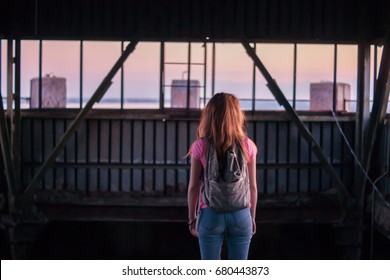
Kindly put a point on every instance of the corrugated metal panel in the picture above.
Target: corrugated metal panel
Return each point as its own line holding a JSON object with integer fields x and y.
{"x": 147, "y": 155}
{"x": 183, "y": 20}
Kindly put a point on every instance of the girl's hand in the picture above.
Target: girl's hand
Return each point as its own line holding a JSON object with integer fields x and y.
{"x": 253, "y": 226}
{"x": 192, "y": 228}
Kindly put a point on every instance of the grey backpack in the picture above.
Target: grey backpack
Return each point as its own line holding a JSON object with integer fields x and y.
{"x": 226, "y": 190}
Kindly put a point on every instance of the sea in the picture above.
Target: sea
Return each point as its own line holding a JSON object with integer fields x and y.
{"x": 150, "y": 103}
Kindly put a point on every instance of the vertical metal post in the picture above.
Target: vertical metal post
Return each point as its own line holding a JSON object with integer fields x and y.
{"x": 381, "y": 97}
{"x": 205, "y": 74}
{"x": 162, "y": 69}
{"x": 81, "y": 72}
{"x": 335, "y": 79}
{"x": 375, "y": 74}
{"x": 1, "y": 65}
{"x": 254, "y": 83}
{"x": 122, "y": 81}
{"x": 4, "y": 138}
{"x": 120, "y": 153}
{"x": 6, "y": 153}
{"x": 188, "y": 76}
{"x": 16, "y": 124}
{"x": 154, "y": 154}
{"x": 363, "y": 98}
{"x": 143, "y": 152}
{"x": 213, "y": 71}
{"x": 10, "y": 79}
{"x": 40, "y": 76}
{"x": 295, "y": 78}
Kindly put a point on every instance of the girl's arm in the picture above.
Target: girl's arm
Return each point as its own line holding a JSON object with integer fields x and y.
{"x": 253, "y": 190}
{"x": 193, "y": 194}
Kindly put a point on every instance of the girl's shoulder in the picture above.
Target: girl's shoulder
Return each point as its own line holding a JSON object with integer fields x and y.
{"x": 249, "y": 142}
{"x": 198, "y": 147}
{"x": 250, "y": 147}
{"x": 202, "y": 141}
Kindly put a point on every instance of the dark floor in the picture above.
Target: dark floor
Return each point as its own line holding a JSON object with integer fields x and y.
{"x": 120, "y": 240}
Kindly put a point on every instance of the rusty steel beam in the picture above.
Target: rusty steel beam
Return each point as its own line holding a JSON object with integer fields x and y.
{"x": 96, "y": 97}
{"x": 16, "y": 120}
{"x": 379, "y": 107}
{"x": 6, "y": 152}
{"x": 362, "y": 112}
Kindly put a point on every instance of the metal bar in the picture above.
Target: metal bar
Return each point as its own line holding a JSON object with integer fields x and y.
{"x": 254, "y": 83}
{"x": 277, "y": 147}
{"x": 184, "y": 63}
{"x": 65, "y": 156}
{"x": 379, "y": 107}
{"x": 187, "y": 148}
{"x": 185, "y": 86}
{"x": 76, "y": 160}
{"x": 99, "y": 137}
{"x": 162, "y": 71}
{"x": 205, "y": 74}
{"x": 342, "y": 152}
{"x": 53, "y": 144}
{"x": 363, "y": 97}
{"x": 335, "y": 79}
{"x": 120, "y": 152}
{"x": 87, "y": 156}
{"x": 7, "y": 158}
{"x": 321, "y": 143}
{"x": 143, "y": 152}
{"x": 362, "y": 109}
{"x": 122, "y": 80}
{"x": 288, "y": 159}
{"x": 132, "y": 156}
{"x": 295, "y": 77}
{"x": 82, "y": 114}
{"x": 188, "y": 77}
{"x": 5, "y": 143}
{"x": 154, "y": 153}
{"x": 81, "y": 72}
{"x": 375, "y": 67}
{"x": 31, "y": 147}
{"x": 266, "y": 156}
{"x": 299, "y": 148}
{"x": 213, "y": 71}
{"x": 309, "y": 155}
{"x": 42, "y": 146}
{"x": 165, "y": 155}
{"x": 1, "y": 65}
{"x": 109, "y": 151}
{"x": 10, "y": 80}
{"x": 16, "y": 122}
{"x": 279, "y": 96}
{"x": 40, "y": 76}
{"x": 176, "y": 154}
{"x": 171, "y": 166}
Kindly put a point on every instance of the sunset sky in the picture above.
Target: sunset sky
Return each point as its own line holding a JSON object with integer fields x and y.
{"x": 141, "y": 70}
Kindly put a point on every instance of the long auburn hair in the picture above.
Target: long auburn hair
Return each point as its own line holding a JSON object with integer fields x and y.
{"x": 223, "y": 124}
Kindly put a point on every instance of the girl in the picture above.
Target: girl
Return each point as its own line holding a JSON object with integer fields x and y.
{"x": 222, "y": 125}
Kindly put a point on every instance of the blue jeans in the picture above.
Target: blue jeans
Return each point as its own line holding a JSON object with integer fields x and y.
{"x": 214, "y": 226}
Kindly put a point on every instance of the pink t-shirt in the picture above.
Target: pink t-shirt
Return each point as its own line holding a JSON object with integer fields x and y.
{"x": 199, "y": 148}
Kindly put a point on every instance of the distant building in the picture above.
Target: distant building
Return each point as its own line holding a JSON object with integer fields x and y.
{"x": 179, "y": 94}
{"x": 321, "y": 97}
{"x": 53, "y": 92}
